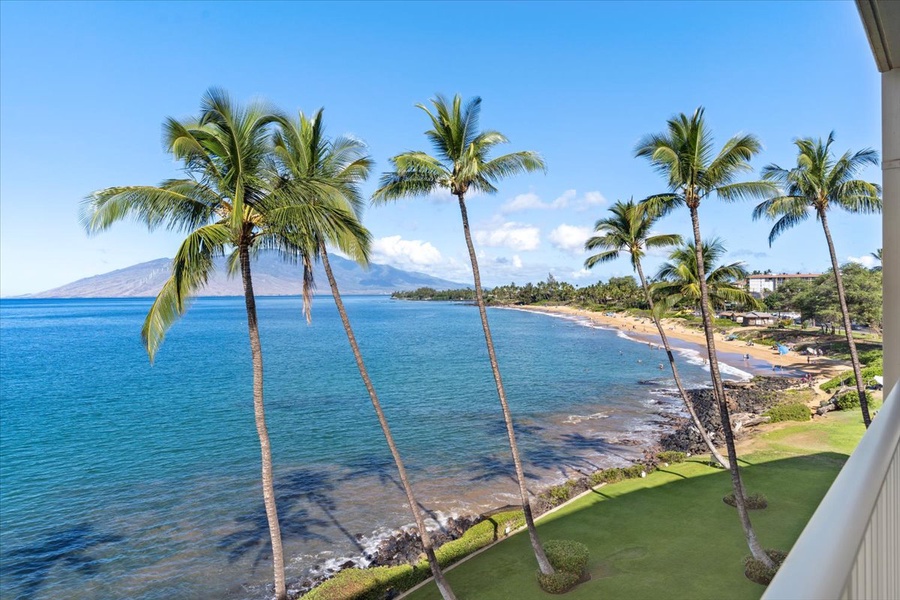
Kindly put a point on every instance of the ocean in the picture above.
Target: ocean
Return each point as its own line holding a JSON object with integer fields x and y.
{"x": 122, "y": 479}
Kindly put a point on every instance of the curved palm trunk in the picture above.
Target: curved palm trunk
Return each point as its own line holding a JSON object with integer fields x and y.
{"x": 259, "y": 413}
{"x": 543, "y": 563}
{"x": 439, "y": 579}
{"x": 684, "y": 397}
{"x": 845, "y": 313}
{"x": 719, "y": 391}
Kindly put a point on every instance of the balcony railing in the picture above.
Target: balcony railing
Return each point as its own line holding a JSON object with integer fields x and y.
{"x": 850, "y": 548}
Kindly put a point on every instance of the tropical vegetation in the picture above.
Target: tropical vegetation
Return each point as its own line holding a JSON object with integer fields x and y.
{"x": 462, "y": 165}
{"x": 220, "y": 206}
{"x": 818, "y": 183}
{"x": 628, "y": 230}
{"x": 304, "y": 154}
{"x": 257, "y": 179}
{"x": 694, "y": 171}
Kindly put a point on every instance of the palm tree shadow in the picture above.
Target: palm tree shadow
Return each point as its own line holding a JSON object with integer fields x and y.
{"x": 295, "y": 493}
{"x": 67, "y": 548}
{"x": 385, "y": 469}
{"x": 490, "y": 468}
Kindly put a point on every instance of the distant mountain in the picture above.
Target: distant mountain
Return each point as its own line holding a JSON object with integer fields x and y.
{"x": 272, "y": 276}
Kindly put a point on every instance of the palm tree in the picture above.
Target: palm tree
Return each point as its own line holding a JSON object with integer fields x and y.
{"x": 678, "y": 281}
{"x": 226, "y": 152}
{"x": 462, "y": 165}
{"x": 684, "y": 155}
{"x": 339, "y": 166}
{"x": 628, "y": 230}
{"x": 816, "y": 184}
{"x": 877, "y": 255}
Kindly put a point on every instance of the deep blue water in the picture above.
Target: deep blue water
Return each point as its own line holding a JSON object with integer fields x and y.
{"x": 126, "y": 480}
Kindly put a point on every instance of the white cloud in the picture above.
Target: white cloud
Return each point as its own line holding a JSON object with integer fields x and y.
{"x": 868, "y": 261}
{"x": 523, "y": 202}
{"x": 398, "y": 252}
{"x": 582, "y": 273}
{"x": 512, "y": 235}
{"x": 564, "y": 200}
{"x": 570, "y": 238}
{"x": 569, "y": 198}
{"x": 516, "y": 261}
{"x": 593, "y": 199}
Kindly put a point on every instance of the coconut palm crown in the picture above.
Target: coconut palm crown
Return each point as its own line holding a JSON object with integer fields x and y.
{"x": 678, "y": 281}
{"x": 816, "y": 184}
{"x": 460, "y": 164}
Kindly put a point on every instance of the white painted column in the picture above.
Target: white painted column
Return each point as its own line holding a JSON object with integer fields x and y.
{"x": 890, "y": 155}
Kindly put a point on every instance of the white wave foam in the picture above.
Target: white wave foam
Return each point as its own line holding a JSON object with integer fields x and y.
{"x": 576, "y": 419}
{"x": 694, "y": 357}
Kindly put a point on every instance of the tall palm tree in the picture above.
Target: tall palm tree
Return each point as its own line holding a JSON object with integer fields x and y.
{"x": 339, "y": 166}
{"x": 818, "y": 183}
{"x": 678, "y": 281}
{"x": 462, "y": 165}
{"x": 219, "y": 205}
{"x": 628, "y": 230}
{"x": 684, "y": 155}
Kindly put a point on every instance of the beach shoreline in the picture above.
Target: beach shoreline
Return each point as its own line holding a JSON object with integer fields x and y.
{"x": 819, "y": 368}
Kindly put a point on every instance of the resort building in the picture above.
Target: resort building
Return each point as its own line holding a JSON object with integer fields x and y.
{"x": 760, "y": 285}
{"x": 757, "y": 319}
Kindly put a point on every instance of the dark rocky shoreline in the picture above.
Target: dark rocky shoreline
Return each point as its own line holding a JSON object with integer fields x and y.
{"x": 677, "y": 433}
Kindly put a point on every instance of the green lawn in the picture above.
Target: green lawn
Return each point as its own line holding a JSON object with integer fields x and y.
{"x": 670, "y": 535}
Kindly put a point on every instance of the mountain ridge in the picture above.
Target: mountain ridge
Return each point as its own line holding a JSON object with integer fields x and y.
{"x": 272, "y": 276}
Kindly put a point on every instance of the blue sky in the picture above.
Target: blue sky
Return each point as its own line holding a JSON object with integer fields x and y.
{"x": 84, "y": 88}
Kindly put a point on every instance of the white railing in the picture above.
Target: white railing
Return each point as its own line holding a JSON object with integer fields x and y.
{"x": 850, "y": 549}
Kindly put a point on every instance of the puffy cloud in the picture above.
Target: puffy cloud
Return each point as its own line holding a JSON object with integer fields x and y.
{"x": 570, "y": 238}
{"x": 569, "y": 198}
{"x": 523, "y": 202}
{"x": 583, "y": 273}
{"x": 868, "y": 261}
{"x": 512, "y": 235}
{"x": 398, "y": 252}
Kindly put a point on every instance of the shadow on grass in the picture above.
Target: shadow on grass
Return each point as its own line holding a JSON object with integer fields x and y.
{"x": 681, "y": 526}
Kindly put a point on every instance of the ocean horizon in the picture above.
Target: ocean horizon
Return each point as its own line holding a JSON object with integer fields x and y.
{"x": 126, "y": 480}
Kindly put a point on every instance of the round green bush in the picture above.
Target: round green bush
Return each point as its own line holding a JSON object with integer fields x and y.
{"x": 671, "y": 456}
{"x": 568, "y": 556}
{"x": 558, "y": 583}
{"x": 754, "y": 501}
{"x": 794, "y": 411}
{"x": 757, "y": 572}
{"x": 848, "y": 401}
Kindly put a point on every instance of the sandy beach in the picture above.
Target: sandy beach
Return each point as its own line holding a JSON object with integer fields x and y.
{"x": 820, "y": 368}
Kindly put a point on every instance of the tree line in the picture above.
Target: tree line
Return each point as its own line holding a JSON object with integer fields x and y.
{"x": 258, "y": 178}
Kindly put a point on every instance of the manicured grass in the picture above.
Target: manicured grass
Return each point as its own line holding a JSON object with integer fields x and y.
{"x": 670, "y": 535}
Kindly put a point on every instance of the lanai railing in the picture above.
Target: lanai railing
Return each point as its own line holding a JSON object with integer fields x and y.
{"x": 850, "y": 549}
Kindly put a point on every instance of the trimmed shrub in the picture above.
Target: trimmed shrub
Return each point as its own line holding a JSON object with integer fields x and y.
{"x": 559, "y": 582}
{"x": 757, "y": 572}
{"x": 567, "y": 555}
{"x": 375, "y": 583}
{"x": 754, "y": 501}
{"x": 560, "y": 493}
{"x": 607, "y": 476}
{"x": 792, "y": 411}
{"x": 847, "y": 401}
{"x": 868, "y": 373}
{"x": 569, "y": 559}
{"x": 671, "y": 456}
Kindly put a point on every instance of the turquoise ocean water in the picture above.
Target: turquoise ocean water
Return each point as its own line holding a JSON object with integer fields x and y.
{"x": 119, "y": 479}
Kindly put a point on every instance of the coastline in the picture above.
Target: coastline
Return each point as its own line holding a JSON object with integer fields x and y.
{"x": 401, "y": 545}
{"x": 821, "y": 368}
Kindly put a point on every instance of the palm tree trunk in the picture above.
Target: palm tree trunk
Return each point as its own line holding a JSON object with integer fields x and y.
{"x": 845, "y": 312}
{"x": 439, "y": 579}
{"x": 259, "y": 413}
{"x": 543, "y": 563}
{"x": 684, "y": 397}
{"x": 719, "y": 392}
